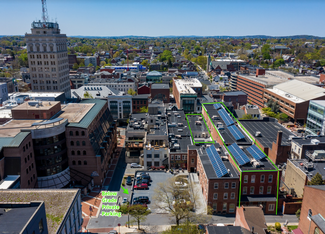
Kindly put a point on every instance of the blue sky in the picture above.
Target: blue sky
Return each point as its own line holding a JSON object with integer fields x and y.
{"x": 168, "y": 17}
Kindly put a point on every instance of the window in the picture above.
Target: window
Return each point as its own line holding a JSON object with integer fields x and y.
{"x": 73, "y": 162}
{"x": 253, "y": 179}
{"x": 149, "y": 156}
{"x": 269, "y": 189}
{"x": 271, "y": 207}
{"x": 71, "y": 143}
{"x": 246, "y": 179}
{"x": 172, "y": 157}
{"x": 85, "y": 162}
{"x": 156, "y": 155}
{"x": 25, "y": 160}
{"x": 72, "y": 152}
{"x": 232, "y": 195}
{"x": 226, "y": 185}
{"x": 270, "y": 178}
{"x": 184, "y": 157}
{"x": 233, "y": 185}
{"x": 83, "y": 143}
{"x": 262, "y": 178}
{"x": 252, "y": 190}
{"x": 27, "y": 171}
{"x": 77, "y": 143}
{"x": 84, "y": 152}
{"x": 225, "y": 196}
{"x": 78, "y": 152}
{"x": 261, "y": 190}
{"x": 215, "y": 196}
{"x": 224, "y": 206}
{"x": 77, "y": 133}
{"x": 232, "y": 208}
{"x": 40, "y": 225}
{"x": 216, "y": 185}
{"x": 245, "y": 190}
{"x": 82, "y": 133}
{"x": 79, "y": 162}
{"x": 316, "y": 230}
{"x": 192, "y": 160}
{"x": 24, "y": 149}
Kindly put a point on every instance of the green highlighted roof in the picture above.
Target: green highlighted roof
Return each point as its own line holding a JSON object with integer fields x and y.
{"x": 189, "y": 126}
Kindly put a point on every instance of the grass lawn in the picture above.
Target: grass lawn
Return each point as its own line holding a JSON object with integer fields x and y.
{"x": 290, "y": 228}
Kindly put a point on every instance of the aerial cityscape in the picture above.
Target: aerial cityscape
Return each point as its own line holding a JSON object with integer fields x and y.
{"x": 141, "y": 120}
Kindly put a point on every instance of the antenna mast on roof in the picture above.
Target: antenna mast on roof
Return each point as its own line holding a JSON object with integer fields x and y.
{"x": 44, "y": 11}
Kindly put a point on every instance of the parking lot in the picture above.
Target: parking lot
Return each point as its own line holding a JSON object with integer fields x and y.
{"x": 156, "y": 177}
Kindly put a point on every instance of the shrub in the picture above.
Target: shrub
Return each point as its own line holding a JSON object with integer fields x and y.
{"x": 277, "y": 226}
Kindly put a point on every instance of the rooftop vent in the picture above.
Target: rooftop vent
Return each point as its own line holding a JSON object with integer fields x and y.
{"x": 314, "y": 141}
{"x": 258, "y": 134}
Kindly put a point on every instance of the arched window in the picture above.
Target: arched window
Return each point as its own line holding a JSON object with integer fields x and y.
{"x": 79, "y": 162}
{"x": 78, "y": 152}
{"x": 78, "y": 143}
{"x": 31, "y": 155}
{"x": 77, "y": 133}
{"x": 72, "y": 152}
{"x": 37, "y": 48}
{"x": 31, "y": 179}
{"x": 71, "y": 133}
{"x": 71, "y": 143}
{"x": 83, "y": 143}
{"x": 44, "y": 47}
{"x": 73, "y": 162}
{"x": 85, "y": 162}
{"x": 84, "y": 152}
{"x": 34, "y": 176}
{"x": 82, "y": 133}
{"x": 31, "y": 48}
{"x": 28, "y": 157}
{"x": 28, "y": 182}
{"x": 32, "y": 165}
{"x": 25, "y": 160}
{"x": 51, "y": 47}
{"x": 27, "y": 171}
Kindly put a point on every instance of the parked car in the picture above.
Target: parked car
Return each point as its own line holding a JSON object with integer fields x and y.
{"x": 129, "y": 180}
{"x": 113, "y": 232}
{"x": 140, "y": 186}
{"x": 142, "y": 199}
{"x": 146, "y": 177}
{"x": 135, "y": 165}
{"x": 125, "y": 200}
{"x": 140, "y": 181}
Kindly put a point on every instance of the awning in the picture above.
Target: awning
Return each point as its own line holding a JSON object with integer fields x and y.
{"x": 258, "y": 198}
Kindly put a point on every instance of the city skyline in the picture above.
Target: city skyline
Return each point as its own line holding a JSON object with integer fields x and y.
{"x": 168, "y": 18}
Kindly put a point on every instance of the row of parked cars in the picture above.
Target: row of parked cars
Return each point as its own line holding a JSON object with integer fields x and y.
{"x": 142, "y": 181}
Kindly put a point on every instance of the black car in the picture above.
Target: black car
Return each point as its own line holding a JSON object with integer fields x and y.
{"x": 142, "y": 199}
{"x": 147, "y": 177}
{"x": 129, "y": 180}
{"x": 144, "y": 181}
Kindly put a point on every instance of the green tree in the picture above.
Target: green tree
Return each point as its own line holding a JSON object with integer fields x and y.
{"x": 298, "y": 213}
{"x": 283, "y": 117}
{"x": 145, "y": 63}
{"x": 75, "y": 66}
{"x": 23, "y": 59}
{"x": 90, "y": 65}
{"x": 102, "y": 63}
{"x": 277, "y": 226}
{"x": 144, "y": 109}
{"x": 132, "y": 92}
{"x": 247, "y": 116}
{"x": 138, "y": 213}
{"x": 187, "y": 227}
{"x": 81, "y": 64}
{"x": 316, "y": 180}
{"x": 87, "y": 95}
{"x": 97, "y": 68}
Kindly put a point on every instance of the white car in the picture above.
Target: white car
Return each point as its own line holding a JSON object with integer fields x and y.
{"x": 125, "y": 200}
{"x": 135, "y": 165}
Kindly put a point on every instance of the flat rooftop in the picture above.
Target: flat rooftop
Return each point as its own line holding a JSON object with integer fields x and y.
{"x": 198, "y": 126}
{"x": 36, "y": 105}
{"x": 13, "y": 127}
{"x": 184, "y": 86}
{"x": 298, "y": 91}
{"x": 269, "y": 128}
{"x": 75, "y": 112}
{"x": 9, "y": 221}
{"x": 173, "y": 119}
{"x": 318, "y": 167}
{"x": 57, "y": 202}
{"x": 207, "y": 164}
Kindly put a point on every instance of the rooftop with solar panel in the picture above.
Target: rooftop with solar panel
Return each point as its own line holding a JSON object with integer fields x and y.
{"x": 230, "y": 131}
{"x": 215, "y": 162}
{"x": 246, "y": 155}
{"x": 199, "y": 130}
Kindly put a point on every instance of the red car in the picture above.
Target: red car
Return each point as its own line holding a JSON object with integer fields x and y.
{"x": 140, "y": 186}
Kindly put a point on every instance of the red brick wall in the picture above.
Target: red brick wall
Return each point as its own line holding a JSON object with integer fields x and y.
{"x": 191, "y": 154}
{"x": 165, "y": 92}
{"x": 33, "y": 113}
{"x": 313, "y": 199}
{"x": 253, "y": 89}
{"x": 144, "y": 90}
{"x": 322, "y": 78}
{"x": 291, "y": 207}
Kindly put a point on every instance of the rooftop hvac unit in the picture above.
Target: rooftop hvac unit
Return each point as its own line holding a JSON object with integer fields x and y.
{"x": 258, "y": 134}
{"x": 198, "y": 123}
{"x": 180, "y": 124}
{"x": 214, "y": 117}
{"x": 221, "y": 127}
{"x": 203, "y": 135}
{"x": 179, "y": 130}
{"x": 314, "y": 141}
{"x": 308, "y": 165}
{"x": 200, "y": 118}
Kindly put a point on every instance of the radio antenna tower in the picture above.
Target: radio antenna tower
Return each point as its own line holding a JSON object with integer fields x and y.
{"x": 44, "y": 11}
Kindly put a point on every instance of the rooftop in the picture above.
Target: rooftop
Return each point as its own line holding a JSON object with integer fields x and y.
{"x": 96, "y": 92}
{"x": 185, "y": 86}
{"x": 227, "y": 230}
{"x": 308, "y": 141}
{"x": 57, "y": 202}
{"x": 319, "y": 102}
{"x": 159, "y": 86}
{"x": 197, "y": 126}
{"x": 298, "y": 91}
{"x": 36, "y": 105}
{"x": 154, "y": 73}
{"x": 317, "y": 167}
{"x": 75, "y": 112}
{"x": 268, "y": 127}
{"x": 177, "y": 123}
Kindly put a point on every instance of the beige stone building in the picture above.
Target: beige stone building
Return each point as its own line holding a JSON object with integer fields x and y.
{"x": 48, "y": 58}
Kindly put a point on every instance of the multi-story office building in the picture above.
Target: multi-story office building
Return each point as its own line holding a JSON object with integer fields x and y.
{"x": 118, "y": 84}
{"x": 48, "y": 58}
{"x": 316, "y": 118}
{"x": 51, "y": 148}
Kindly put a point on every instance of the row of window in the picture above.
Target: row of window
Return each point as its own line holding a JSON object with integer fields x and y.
{"x": 79, "y": 163}
{"x": 262, "y": 178}
{"x": 261, "y": 190}
{"x": 226, "y": 185}
{"x": 156, "y": 164}
{"x": 178, "y": 157}
{"x": 140, "y": 102}
{"x": 225, "y": 196}
{"x": 31, "y": 155}
{"x": 28, "y": 169}
{"x": 31, "y": 179}
{"x": 224, "y": 207}
{"x": 78, "y": 152}
{"x": 76, "y": 133}
{"x": 83, "y": 143}
{"x": 155, "y": 155}
{"x": 26, "y": 146}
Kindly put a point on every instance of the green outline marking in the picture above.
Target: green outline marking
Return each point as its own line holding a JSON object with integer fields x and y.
{"x": 253, "y": 140}
{"x": 205, "y": 142}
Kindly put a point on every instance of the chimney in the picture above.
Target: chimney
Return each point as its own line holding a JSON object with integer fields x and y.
{"x": 279, "y": 138}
